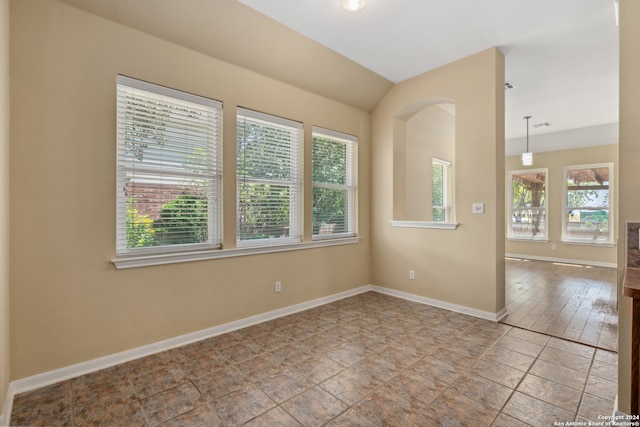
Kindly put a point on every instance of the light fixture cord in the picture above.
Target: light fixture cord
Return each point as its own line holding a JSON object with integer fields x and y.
{"x": 527, "y": 119}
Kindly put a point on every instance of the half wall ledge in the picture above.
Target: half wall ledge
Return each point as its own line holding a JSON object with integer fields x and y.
{"x": 425, "y": 224}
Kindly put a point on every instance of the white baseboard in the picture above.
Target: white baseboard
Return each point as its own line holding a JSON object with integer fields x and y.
{"x": 563, "y": 260}
{"x": 494, "y": 317}
{"x": 8, "y": 406}
{"x": 68, "y": 372}
{"x": 618, "y": 415}
{"x": 83, "y": 368}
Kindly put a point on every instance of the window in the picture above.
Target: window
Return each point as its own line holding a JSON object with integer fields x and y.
{"x": 588, "y": 204}
{"x": 168, "y": 169}
{"x": 528, "y": 205}
{"x": 269, "y": 179}
{"x": 335, "y": 160}
{"x": 440, "y": 190}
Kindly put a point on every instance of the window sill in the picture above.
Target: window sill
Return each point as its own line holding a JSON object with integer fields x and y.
{"x": 161, "y": 259}
{"x": 588, "y": 243}
{"x": 425, "y": 224}
{"x": 523, "y": 239}
{"x": 336, "y": 236}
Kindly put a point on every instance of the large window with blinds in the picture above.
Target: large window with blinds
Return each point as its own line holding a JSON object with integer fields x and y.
{"x": 588, "y": 204}
{"x": 168, "y": 169}
{"x": 334, "y": 163}
{"x": 269, "y": 179}
{"x": 528, "y": 210}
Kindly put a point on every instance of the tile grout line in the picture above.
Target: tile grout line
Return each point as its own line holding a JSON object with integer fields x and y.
{"x": 352, "y": 406}
{"x": 584, "y": 388}
{"x": 321, "y": 353}
{"x": 516, "y": 386}
{"x": 71, "y": 405}
{"x": 537, "y": 357}
{"x": 588, "y": 373}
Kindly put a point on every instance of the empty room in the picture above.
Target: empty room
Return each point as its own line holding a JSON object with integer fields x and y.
{"x": 235, "y": 212}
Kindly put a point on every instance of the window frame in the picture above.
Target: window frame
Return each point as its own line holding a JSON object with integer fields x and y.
{"x": 351, "y": 180}
{"x": 125, "y": 168}
{"x": 447, "y": 190}
{"x": 172, "y": 254}
{"x": 295, "y": 182}
{"x": 610, "y": 208}
{"x": 510, "y": 233}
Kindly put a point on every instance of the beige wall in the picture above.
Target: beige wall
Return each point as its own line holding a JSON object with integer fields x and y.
{"x": 555, "y": 161}
{"x": 68, "y": 302}
{"x": 429, "y": 133}
{"x": 4, "y": 197}
{"x": 629, "y": 153}
{"x": 464, "y": 266}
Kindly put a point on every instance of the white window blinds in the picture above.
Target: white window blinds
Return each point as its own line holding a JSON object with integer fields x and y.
{"x": 440, "y": 190}
{"x": 169, "y": 169}
{"x": 334, "y": 159}
{"x": 269, "y": 179}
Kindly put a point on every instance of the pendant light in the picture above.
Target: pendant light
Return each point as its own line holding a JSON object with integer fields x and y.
{"x": 527, "y": 157}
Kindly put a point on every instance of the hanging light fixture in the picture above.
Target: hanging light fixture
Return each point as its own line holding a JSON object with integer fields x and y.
{"x": 527, "y": 157}
{"x": 353, "y": 6}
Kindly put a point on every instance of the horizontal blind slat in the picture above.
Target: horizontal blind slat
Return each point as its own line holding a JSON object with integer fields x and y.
{"x": 169, "y": 169}
{"x": 334, "y": 176}
{"x": 268, "y": 178}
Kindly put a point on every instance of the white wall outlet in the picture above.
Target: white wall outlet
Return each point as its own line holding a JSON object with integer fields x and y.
{"x": 553, "y": 247}
{"x": 412, "y": 275}
{"x": 278, "y": 286}
{"x": 477, "y": 208}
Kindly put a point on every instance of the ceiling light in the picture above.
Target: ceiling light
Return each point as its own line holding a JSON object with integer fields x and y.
{"x": 353, "y": 6}
{"x": 527, "y": 157}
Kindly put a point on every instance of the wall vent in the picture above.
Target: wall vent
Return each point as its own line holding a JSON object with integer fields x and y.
{"x": 509, "y": 86}
{"x": 542, "y": 125}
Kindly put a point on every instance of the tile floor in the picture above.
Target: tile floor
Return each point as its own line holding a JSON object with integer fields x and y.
{"x": 570, "y": 301}
{"x": 368, "y": 360}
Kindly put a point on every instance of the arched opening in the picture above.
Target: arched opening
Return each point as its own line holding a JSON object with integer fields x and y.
{"x": 424, "y": 162}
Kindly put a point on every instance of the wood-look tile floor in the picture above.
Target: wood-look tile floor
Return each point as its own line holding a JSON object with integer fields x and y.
{"x": 573, "y": 302}
{"x": 367, "y": 360}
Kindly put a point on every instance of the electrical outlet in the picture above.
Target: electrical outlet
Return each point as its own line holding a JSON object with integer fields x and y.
{"x": 278, "y": 286}
{"x": 412, "y": 275}
{"x": 553, "y": 247}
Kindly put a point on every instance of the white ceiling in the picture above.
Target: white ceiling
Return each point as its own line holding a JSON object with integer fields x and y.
{"x": 561, "y": 54}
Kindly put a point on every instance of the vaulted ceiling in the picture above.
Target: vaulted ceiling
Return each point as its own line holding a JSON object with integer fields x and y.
{"x": 562, "y": 56}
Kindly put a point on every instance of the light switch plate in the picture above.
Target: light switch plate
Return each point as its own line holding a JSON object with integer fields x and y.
{"x": 478, "y": 208}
